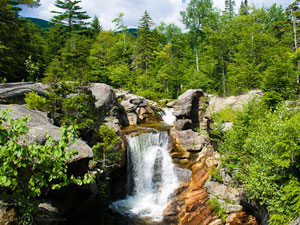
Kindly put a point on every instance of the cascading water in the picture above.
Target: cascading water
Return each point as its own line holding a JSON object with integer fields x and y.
{"x": 151, "y": 176}
{"x": 168, "y": 116}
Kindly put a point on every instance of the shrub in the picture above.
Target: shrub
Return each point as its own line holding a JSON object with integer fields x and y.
{"x": 28, "y": 170}
{"x": 34, "y": 101}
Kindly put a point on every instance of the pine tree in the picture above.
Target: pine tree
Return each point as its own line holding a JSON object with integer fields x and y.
{"x": 96, "y": 27}
{"x": 229, "y": 7}
{"x": 145, "y": 43}
{"x": 71, "y": 17}
{"x": 244, "y": 8}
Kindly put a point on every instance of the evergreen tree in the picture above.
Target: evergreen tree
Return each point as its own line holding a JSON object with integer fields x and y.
{"x": 244, "y": 8}
{"x": 145, "y": 43}
{"x": 229, "y": 7}
{"x": 71, "y": 17}
{"x": 96, "y": 27}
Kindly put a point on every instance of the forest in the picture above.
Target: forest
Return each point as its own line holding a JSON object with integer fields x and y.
{"x": 224, "y": 53}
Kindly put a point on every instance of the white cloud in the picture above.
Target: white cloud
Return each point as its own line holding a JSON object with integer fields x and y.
{"x": 160, "y": 10}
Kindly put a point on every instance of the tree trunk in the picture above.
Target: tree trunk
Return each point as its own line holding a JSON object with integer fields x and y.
{"x": 124, "y": 39}
{"x": 296, "y": 46}
{"x": 197, "y": 60}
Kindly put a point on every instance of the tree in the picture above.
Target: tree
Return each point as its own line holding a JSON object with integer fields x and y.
{"x": 71, "y": 17}
{"x": 294, "y": 11}
{"x": 120, "y": 26}
{"x": 229, "y": 7}
{"x": 145, "y": 43}
{"x": 199, "y": 13}
{"x": 96, "y": 27}
{"x": 18, "y": 40}
{"x": 29, "y": 170}
{"x": 105, "y": 151}
{"x": 244, "y": 8}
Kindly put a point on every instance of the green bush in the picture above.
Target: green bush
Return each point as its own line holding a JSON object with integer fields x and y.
{"x": 262, "y": 150}
{"x": 34, "y": 101}
{"x": 29, "y": 170}
{"x": 217, "y": 208}
{"x": 105, "y": 151}
{"x": 226, "y": 115}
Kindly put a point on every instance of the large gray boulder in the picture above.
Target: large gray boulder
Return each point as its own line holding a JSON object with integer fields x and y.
{"x": 217, "y": 104}
{"x": 40, "y": 125}
{"x": 15, "y": 92}
{"x": 109, "y": 109}
{"x": 189, "y": 108}
{"x": 138, "y": 109}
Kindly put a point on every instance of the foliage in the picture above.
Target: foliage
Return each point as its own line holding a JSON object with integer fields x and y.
{"x": 34, "y": 101}
{"x": 262, "y": 152}
{"x": 105, "y": 151}
{"x": 69, "y": 104}
{"x": 226, "y": 115}
{"x": 28, "y": 170}
{"x": 217, "y": 208}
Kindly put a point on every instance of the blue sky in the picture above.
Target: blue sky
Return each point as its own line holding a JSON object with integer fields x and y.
{"x": 160, "y": 10}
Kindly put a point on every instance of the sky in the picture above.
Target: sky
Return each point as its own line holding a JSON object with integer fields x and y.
{"x": 167, "y": 11}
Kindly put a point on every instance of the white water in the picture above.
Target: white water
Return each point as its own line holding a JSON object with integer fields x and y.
{"x": 152, "y": 176}
{"x": 168, "y": 117}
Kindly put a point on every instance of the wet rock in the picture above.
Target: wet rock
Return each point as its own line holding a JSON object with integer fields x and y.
{"x": 183, "y": 124}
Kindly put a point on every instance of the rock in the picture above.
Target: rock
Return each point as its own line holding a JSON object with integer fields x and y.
{"x": 226, "y": 126}
{"x": 8, "y": 215}
{"x": 48, "y": 213}
{"x": 171, "y": 104}
{"x": 217, "y": 104}
{"x": 15, "y": 92}
{"x": 40, "y": 125}
{"x": 216, "y": 222}
{"x": 187, "y": 104}
{"x": 295, "y": 221}
{"x": 241, "y": 218}
{"x": 188, "y": 140}
{"x": 132, "y": 119}
{"x": 104, "y": 95}
{"x": 183, "y": 124}
{"x": 109, "y": 109}
{"x": 138, "y": 109}
{"x": 224, "y": 192}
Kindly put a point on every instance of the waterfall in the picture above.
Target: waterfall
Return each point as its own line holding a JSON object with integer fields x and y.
{"x": 151, "y": 176}
{"x": 168, "y": 117}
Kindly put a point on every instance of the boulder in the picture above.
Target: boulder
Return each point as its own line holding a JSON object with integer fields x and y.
{"x": 241, "y": 218}
{"x": 224, "y": 192}
{"x": 8, "y": 215}
{"x": 48, "y": 213}
{"x": 40, "y": 125}
{"x": 109, "y": 109}
{"x": 188, "y": 140}
{"x": 104, "y": 95}
{"x": 187, "y": 104}
{"x": 15, "y": 92}
{"x": 138, "y": 109}
{"x": 217, "y": 104}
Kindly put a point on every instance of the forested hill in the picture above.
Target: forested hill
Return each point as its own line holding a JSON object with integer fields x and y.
{"x": 222, "y": 53}
{"x": 41, "y": 23}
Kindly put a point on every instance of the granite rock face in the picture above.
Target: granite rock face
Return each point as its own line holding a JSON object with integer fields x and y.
{"x": 15, "y": 92}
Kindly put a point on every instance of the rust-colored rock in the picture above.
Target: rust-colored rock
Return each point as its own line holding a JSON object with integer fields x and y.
{"x": 241, "y": 218}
